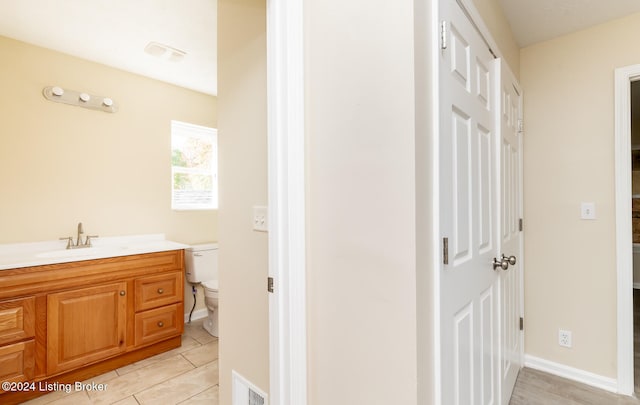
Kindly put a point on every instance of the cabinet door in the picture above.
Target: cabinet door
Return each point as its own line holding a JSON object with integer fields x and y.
{"x": 85, "y": 325}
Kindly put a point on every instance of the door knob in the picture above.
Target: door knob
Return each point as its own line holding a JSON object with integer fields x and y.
{"x": 510, "y": 259}
{"x": 503, "y": 264}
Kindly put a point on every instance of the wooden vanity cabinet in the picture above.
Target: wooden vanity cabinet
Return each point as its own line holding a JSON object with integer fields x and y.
{"x": 70, "y": 321}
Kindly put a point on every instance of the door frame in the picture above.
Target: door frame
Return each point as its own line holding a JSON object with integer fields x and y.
{"x": 286, "y": 199}
{"x": 624, "y": 240}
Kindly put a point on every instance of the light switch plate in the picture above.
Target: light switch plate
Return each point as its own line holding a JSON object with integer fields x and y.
{"x": 260, "y": 219}
{"x": 588, "y": 210}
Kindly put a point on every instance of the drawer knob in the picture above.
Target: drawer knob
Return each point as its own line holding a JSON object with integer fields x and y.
{"x": 123, "y": 293}
{"x": 160, "y": 290}
{"x": 160, "y": 324}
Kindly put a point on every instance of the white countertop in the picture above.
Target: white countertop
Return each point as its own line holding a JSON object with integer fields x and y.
{"x": 50, "y": 252}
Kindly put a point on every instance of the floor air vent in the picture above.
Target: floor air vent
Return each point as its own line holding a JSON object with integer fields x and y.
{"x": 245, "y": 393}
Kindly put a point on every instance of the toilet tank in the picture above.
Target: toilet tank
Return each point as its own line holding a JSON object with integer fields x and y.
{"x": 201, "y": 262}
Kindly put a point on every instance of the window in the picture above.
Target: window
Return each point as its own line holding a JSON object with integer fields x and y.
{"x": 194, "y": 167}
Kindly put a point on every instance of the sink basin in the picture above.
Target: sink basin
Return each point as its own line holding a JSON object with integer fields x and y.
{"x": 76, "y": 252}
{"x": 18, "y": 255}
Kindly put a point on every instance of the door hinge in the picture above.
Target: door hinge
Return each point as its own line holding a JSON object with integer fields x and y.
{"x": 270, "y": 284}
{"x": 520, "y": 224}
{"x": 521, "y": 323}
{"x": 445, "y": 250}
{"x": 520, "y": 126}
{"x": 443, "y": 34}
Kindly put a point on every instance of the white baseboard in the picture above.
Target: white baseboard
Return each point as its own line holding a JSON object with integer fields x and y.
{"x": 197, "y": 314}
{"x": 636, "y": 286}
{"x": 575, "y": 374}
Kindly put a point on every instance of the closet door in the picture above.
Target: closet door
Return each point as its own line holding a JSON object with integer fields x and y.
{"x": 510, "y": 232}
{"x": 469, "y": 285}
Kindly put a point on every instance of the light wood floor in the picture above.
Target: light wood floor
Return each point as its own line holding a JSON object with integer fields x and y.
{"x": 535, "y": 387}
{"x": 636, "y": 341}
{"x": 186, "y": 375}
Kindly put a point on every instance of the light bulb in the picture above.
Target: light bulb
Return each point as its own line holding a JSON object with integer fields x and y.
{"x": 57, "y": 91}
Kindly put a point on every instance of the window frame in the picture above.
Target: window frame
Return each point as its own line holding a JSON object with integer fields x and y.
{"x": 185, "y": 129}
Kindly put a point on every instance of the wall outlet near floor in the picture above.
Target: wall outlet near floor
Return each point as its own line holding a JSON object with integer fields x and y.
{"x": 564, "y": 338}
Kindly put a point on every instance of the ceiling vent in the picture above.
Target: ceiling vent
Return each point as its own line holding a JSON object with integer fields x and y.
{"x": 163, "y": 51}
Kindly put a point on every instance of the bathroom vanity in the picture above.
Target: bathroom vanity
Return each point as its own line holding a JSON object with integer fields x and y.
{"x": 65, "y": 322}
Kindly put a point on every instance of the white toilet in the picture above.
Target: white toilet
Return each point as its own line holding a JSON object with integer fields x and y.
{"x": 201, "y": 264}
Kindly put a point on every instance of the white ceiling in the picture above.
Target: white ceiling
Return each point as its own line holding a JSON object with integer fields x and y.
{"x": 539, "y": 20}
{"x": 115, "y": 32}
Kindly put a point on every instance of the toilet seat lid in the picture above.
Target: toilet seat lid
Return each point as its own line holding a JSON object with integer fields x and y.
{"x": 210, "y": 284}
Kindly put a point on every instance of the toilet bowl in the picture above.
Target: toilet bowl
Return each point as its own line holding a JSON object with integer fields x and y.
{"x": 211, "y": 301}
{"x": 201, "y": 265}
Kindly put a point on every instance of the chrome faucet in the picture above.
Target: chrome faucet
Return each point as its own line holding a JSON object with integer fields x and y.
{"x": 79, "y": 243}
{"x": 80, "y": 232}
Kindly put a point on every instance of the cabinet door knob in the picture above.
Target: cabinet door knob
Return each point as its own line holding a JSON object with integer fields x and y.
{"x": 160, "y": 324}
{"x": 123, "y": 293}
{"x": 160, "y": 290}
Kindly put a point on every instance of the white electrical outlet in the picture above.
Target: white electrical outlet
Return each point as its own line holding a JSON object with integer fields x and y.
{"x": 588, "y": 210}
{"x": 260, "y": 222}
{"x": 564, "y": 338}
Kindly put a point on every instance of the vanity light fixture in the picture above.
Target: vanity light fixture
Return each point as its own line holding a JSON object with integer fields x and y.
{"x": 81, "y": 99}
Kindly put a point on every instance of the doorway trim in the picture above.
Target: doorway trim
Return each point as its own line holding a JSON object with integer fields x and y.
{"x": 624, "y": 241}
{"x": 286, "y": 190}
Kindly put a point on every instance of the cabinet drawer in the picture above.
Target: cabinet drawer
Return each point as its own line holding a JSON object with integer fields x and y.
{"x": 156, "y": 324}
{"x": 17, "y": 361}
{"x": 159, "y": 290}
{"x": 17, "y": 319}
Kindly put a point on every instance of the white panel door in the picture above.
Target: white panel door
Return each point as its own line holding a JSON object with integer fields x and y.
{"x": 469, "y": 287}
{"x": 510, "y": 235}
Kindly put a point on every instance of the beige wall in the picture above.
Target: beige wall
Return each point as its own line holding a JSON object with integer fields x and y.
{"x": 62, "y": 164}
{"x": 570, "y": 273}
{"x": 361, "y": 202}
{"x": 495, "y": 20}
{"x": 242, "y": 137}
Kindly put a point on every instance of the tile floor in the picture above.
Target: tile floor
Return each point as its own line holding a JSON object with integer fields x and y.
{"x": 186, "y": 375}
